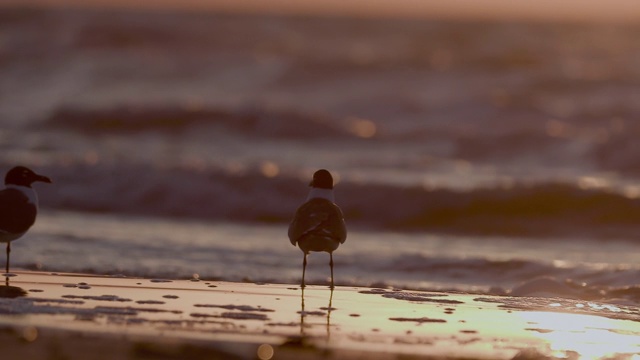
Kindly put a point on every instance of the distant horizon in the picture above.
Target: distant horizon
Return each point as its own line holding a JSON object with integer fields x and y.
{"x": 544, "y": 10}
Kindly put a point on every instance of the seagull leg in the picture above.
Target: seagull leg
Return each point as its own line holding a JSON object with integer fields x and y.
{"x": 302, "y": 314}
{"x": 329, "y": 315}
{"x": 304, "y": 269}
{"x": 8, "y": 252}
{"x": 331, "y": 265}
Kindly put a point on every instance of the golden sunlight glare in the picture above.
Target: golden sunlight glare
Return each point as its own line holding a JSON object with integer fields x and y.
{"x": 591, "y": 336}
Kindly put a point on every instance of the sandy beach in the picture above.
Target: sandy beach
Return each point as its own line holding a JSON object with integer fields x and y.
{"x": 75, "y": 316}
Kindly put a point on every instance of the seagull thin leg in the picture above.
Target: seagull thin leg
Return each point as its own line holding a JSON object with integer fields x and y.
{"x": 302, "y": 314}
{"x": 329, "y": 308}
{"x": 304, "y": 268}
{"x": 331, "y": 265}
{"x": 8, "y": 252}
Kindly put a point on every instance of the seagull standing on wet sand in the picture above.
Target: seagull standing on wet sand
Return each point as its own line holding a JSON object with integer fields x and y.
{"x": 18, "y": 205}
{"x": 318, "y": 225}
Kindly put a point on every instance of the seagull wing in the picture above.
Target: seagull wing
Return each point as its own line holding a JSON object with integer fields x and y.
{"x": 16, "y": 213}
{"x": 318, "y": 215}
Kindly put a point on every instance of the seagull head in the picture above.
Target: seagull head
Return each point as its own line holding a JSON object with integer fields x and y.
{"x": 23, "y": 176}
{"x": 322, "y": 179}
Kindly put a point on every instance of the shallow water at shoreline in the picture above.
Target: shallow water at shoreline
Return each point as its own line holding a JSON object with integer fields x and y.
{"x": 163, "y": 248}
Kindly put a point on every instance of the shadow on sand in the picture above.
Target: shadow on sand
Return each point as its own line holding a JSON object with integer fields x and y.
{"x": 10, "y": 292}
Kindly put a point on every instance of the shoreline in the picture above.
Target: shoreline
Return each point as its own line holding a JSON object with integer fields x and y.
{"x": 157, "y": 318}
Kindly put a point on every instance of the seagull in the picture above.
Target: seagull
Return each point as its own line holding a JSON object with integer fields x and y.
{"x": 318, "y": 225}
{"x": 18, "y": 205}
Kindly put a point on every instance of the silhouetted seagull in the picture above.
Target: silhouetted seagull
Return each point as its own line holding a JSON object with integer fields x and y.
{"x": 18, "y": 205}
{"x": 318, "y": 224}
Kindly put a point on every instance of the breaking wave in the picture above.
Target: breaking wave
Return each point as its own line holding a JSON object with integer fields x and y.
{"x": 252, "y": 196}
{"x": 176, "y": 120}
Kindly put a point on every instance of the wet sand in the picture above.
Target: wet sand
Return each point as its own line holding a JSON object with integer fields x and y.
{"x": 75, "y": 316}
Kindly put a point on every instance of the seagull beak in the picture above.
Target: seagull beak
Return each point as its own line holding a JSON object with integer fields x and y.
{"x": 43, "y": 179}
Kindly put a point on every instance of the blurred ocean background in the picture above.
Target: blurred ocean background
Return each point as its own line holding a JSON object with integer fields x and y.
{"x": 470, "y": 155}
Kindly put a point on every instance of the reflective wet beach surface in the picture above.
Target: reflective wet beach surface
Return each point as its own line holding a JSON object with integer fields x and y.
{"x": 348, "y": 320}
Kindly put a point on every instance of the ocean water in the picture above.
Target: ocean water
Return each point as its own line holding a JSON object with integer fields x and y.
{"x": 473, "y": 156}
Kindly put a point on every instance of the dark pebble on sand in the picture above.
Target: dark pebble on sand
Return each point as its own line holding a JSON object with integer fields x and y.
{"x": 312, "y": 313}
{"x": 542, "y": 331}
{"x": 244, "y": 316}
{"x": 373, "y": 291}
{"x": 98, "y": 298}
{"x": 150, "y": 302}
{"x": 419, "y": 320}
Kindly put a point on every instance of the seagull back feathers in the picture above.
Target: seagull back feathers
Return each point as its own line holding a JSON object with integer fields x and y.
{"x": 319, "y": 217}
